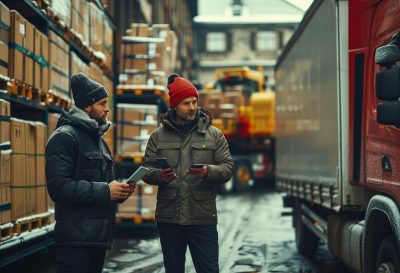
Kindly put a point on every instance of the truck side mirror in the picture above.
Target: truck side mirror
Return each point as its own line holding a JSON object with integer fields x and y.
{"x": 387, "y": 84}
{"x": 388, "y": 113}
{"x": 387, "y": 55}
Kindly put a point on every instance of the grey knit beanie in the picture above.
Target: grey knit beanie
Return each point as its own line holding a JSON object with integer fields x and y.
{"x": 86, "y": 91}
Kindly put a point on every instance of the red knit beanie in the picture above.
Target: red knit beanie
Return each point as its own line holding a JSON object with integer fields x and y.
{"x": 180, "y": 89}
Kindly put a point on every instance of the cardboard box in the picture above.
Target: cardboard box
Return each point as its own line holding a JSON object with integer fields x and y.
{"x": 41, "y": 199}
{"x": 4, "y": 58}
{"x": 30, "y": 138}
{"x": 5, "y": 167}
{"x": 30, "y": 170}
{"x": 5, "y": 19}
{"x": 17, "y": 36}
{"x": 18, "y": 128}
{"x": 145, "y": 196}
{"x": 37, "y": 71}
{"x": 28, "y": 61}
{"x": 18, "y": 203}
{"x": 18, "y": 170}
{"x": 30, "y": 205}
{"x": 40, "y": 138}
{"x": 5, "y": 204}
{"x": 59, "y": 71}
{"x": 4, "y": 121}
{"x": 141, "y": 30}
{"x": 45, "y": 69}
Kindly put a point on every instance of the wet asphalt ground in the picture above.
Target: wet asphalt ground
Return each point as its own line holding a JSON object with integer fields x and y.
{"x": 255, "y": 235}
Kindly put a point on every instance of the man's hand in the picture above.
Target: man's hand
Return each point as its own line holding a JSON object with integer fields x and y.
{"x": 198, "y": 172}
{"x": 167, "y": 175}
{"x": 120, "y": 190}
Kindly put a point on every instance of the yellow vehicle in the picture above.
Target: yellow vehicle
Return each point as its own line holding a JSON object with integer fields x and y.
{"x": 244, "y": 110}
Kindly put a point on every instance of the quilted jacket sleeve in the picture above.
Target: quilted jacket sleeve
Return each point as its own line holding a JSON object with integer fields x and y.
{"x": 61, "y": 155}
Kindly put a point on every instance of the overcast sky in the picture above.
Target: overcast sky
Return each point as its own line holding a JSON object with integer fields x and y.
{"x": 303, "y": 4}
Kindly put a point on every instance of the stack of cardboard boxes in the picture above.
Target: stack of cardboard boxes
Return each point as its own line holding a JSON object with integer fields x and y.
{"x": 5, "y": 165}
{"x": 4, "y": 34}
{"x": 80, "y": 20}
{"x": 59, "y": 66}
{"x": 28, "y": 194}
{"x": 142, "y": 203}
{"x": 147, "y": 61}
{"x": 135, "y": 124}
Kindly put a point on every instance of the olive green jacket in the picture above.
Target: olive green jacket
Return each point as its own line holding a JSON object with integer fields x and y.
{"x": 188, "y": 200}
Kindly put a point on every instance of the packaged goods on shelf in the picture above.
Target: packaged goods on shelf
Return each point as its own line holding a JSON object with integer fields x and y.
{"x": 77, "y": 65}
{"x": 18, "y": 169}
{"x": 4, "y": 34}
{"x": 80, "y": 19}
{"x": 41, "y": 59}
{"x": 59, "y": 66}
{"x": 40, "y": 178}
{"x": 108, "y": 43}
{"x": 17, "y": 40}
{"x": 5, "y": 190}
{"x": 62, "y": 10}
{"x": 142, "y": 202}
{"x": 96, "y": 27}
{"x": 4, "y": 121}
{"x": 134, "y": 125}
{"x": 139, "y": 30}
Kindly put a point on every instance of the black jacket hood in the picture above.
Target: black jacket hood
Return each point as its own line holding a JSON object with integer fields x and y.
{"x": 78, "y": 118}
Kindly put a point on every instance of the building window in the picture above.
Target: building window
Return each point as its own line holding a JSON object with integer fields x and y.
{"x": 216, "y": 42}
{"x": 266, "y": 40}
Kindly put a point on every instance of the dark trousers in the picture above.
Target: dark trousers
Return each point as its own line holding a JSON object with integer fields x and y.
{"x": 203, "y": 246}
{"x": 80, "y": 259}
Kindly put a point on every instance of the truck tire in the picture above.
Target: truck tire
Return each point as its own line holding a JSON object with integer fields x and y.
{"x": 242, "y": 176}
{"x": 387, "y": 260}
{"x": 306, "y": 241}
{"x": 226, "y": 188}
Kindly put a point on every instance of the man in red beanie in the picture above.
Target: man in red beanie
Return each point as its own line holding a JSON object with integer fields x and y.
{"x": 199, "y": 159}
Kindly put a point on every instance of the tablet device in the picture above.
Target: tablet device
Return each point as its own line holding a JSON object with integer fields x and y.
{"x": 162, "y": 163}
{"x": 137, "y": 175}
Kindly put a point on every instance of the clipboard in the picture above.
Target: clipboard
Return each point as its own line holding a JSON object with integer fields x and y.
{"x": 137, "y": 175}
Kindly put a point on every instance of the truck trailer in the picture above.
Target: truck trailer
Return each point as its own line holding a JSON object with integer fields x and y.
{"x": 337, "y": 137}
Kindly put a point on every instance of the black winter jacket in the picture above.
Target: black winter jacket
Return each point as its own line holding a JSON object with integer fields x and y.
{"x": 78, "y": 169}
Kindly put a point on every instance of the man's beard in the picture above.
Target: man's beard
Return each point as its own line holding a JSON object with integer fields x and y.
{"x": 186, "y": 116}
{"x": 101, "y": 120}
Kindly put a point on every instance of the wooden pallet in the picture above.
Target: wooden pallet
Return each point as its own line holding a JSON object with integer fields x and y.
{"x": 136, "y": 218}
{"x": 18, "y": 88}
{"x": 52, "y": 98}
{"x": 6, "y": 231}
{"x": 31, "y": 222}
{"x": 142, "y": 89}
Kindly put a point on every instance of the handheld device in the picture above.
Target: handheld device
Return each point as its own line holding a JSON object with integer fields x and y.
{"x": 162, "y": 163}
{"x": 197, "y": 166}
{"x": 137, "y": 175}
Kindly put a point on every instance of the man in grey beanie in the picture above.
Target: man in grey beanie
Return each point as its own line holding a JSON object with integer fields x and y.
{"x": 79, "y": 172}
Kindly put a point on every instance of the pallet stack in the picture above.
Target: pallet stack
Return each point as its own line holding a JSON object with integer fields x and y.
{"x": 148, "y": 55}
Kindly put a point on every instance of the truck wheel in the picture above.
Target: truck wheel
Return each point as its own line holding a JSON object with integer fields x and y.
{"x": 387, "y": 260}
{"x": 242, "y": 176}
{"x": 306, "y": 241}
{"x": 226, "y": 188}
